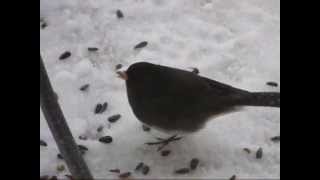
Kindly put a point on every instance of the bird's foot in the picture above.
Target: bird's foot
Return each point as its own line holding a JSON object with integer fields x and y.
{"x": 164, "y": 142}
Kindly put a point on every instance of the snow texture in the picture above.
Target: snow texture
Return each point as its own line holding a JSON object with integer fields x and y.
{"x": 232, "y": 41}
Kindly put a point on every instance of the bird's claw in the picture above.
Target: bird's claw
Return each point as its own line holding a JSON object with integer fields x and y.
{"x": 164, "y": 142}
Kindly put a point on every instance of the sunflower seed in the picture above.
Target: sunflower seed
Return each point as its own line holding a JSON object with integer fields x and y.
{"x": 119, "y": 14}
{"x": 92, "y": 49}
{"x": 125, "y": 175}
{"x": 65, "y": 55}
{"x": 145, "y": 170}
{"x": 114, "y": 118}
{"x": 247, "y": 150}
{"x": 194, "y": 163}
{"x": 43, "y": 143}
{"x": 114, "y": 170}
{"x": 106, "y": 139}
{"x": 271, "y": 83}
{"x": 165, "y": 152}
{"x": 141, "y": 45}
{"x": 139, "y": 166}
{"x": 275, "y": 139}
{"x": 84, "y": 87}
{"x": 259, "y": 153}
{"x": 118, "y": 66}
{"x": 182, "y": 171}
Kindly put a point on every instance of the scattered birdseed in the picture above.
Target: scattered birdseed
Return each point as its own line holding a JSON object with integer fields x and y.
{"x": 119, "y": 14}
{"x": 165, "y": 152}
{"x": 114, "y": 170}
{"x": 271, "y": 83}
{"x": 114, "y": 118}
{"x": 59, "y": 156}
{"x": 82, "y": 137}
{"x": 100, "y": 108}
{"x": 194, "y": 163}
{"x": 247, "y": 150}
{"x": 139, "y": 166}
{"x": 65, "y": 55}
{"x": 118, "y": 66}
{"x": 106, "y": 139}
{"x": 182, "y": 171}
{"x": 145, "y": 170}
{"x": 84, "y": 87}
{"x": 100, "y": 128}
{"x": 141, "y": 45}
{"x": 43, "y": 143}
{"x": 125, "y": 175}
{"x": 275, "y": 139}
{"x": 92, "y": 49}
{"x": 259, "y": 153}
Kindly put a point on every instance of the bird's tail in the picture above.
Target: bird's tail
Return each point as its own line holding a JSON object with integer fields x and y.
{"x": 271, "y": 99}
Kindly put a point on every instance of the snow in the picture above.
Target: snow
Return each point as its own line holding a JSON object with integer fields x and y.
{"x": 236, "y": 42}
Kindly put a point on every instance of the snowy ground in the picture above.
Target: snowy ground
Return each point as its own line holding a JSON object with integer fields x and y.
{"x": 233, "y": 41}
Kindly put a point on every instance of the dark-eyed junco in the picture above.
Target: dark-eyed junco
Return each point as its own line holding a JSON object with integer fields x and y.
{"x": 176, "y": 100}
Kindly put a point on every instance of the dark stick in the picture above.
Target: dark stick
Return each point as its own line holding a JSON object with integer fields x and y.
{"x": 59, "y": 128}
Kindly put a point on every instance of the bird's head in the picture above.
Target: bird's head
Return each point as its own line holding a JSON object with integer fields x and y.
{"x": 138, "y": 72}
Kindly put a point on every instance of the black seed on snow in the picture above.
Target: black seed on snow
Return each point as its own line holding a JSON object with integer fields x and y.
{"x": 259, "y": 153}
{"x": 114, "y": 118}
{"x": 145, "y": 128}
{"x": 271, "y": 83}
{"x": 182, "y": 171}
{"x": 233, "y": 177}
{"x": 125, "y": 175}
{"x": 65, "y": 55}
{"x": 98, "y": 108}
{"x": 44, "y": 25}
{"x": 92, "y": 49}
{"x": 59, "y": 156}
{"x": 82, "y": 147}
{"x": 194, "y": 163}
{"x": 43, "y": 143}
{"x": 100, "y": 128}
{"x": 165, "y": 152}
{"x": 119, "y": 14}
{"x": 275, "y": 139}
{"x": 139, "y": 166}
{"x": 106, "y": 139}
{"x": 114, "y": 170}
{"x": 118, "y": 66}
{"x": 195, "y": 70}
{"x": 104, "y": 107}
{"x": 81, "y": 137}
{"x": 141, "y": 45}
{"x": 145, "y": 170}
{"x": 247, "y": 150}
{"x": 84, "y": 87}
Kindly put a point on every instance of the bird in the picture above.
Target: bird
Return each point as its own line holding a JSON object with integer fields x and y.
{"x": 175, "y": 100}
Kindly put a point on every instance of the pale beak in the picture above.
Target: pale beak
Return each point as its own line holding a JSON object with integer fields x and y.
{"x": 123, "y": 75}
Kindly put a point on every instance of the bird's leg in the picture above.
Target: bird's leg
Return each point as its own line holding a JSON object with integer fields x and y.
{"x": 164, "y": 142}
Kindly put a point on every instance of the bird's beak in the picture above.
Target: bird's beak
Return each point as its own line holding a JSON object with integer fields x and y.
{"x": 123, "y": 75}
